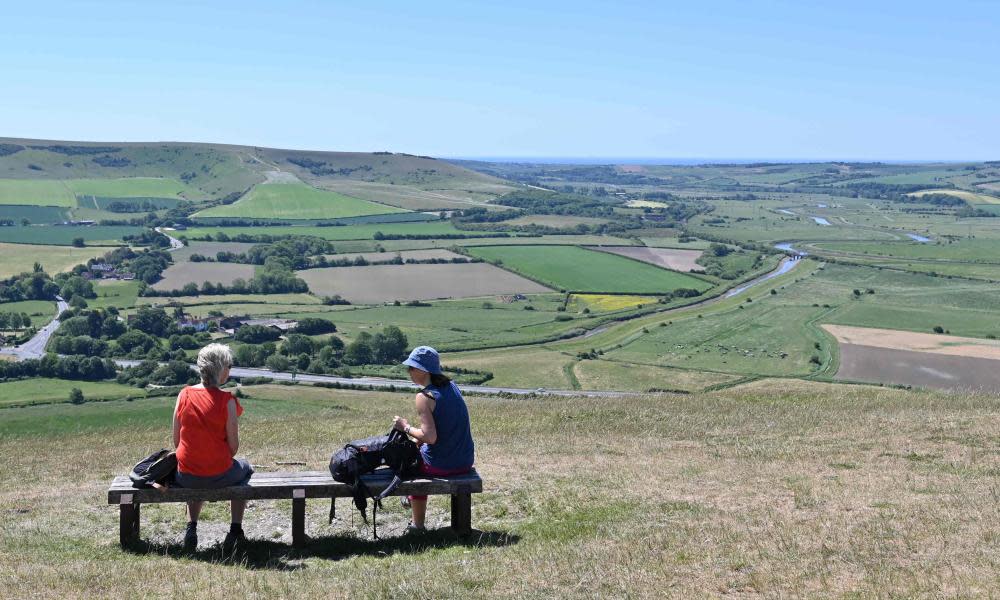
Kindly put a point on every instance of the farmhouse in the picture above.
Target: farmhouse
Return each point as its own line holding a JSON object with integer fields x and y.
{"x": 232, "y": 324}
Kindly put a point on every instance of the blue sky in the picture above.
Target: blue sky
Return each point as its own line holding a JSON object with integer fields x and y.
{"x": 798, "y": 80}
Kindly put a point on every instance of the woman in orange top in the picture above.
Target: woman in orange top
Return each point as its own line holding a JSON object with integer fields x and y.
{"x": 207, "y": 436}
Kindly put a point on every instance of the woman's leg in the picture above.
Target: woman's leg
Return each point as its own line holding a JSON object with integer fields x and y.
{"x": 419, "y": 506}
{"x": 237, "y": 507}
{"x": 193, "y": 510}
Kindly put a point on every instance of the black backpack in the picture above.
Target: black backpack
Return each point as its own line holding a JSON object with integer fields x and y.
{"x": 395, "y": 451}
{"x": 159, "y": 467}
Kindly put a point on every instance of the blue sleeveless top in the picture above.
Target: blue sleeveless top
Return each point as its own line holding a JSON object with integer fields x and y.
{"x": 454, "y": 448}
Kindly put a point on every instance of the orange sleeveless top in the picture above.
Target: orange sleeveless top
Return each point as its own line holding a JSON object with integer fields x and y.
{"x": 203, "y": 449}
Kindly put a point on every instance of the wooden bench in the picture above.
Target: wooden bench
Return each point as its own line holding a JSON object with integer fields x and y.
{"x": 296, "y": 487}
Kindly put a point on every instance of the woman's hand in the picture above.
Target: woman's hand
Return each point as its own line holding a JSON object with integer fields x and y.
{"x": 400, "y": 423}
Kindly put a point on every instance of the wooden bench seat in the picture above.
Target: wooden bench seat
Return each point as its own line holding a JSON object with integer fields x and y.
{"x": 297, "y": 487}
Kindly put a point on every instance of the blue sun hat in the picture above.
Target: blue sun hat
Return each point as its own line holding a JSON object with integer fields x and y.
{"x": 424, "y": 358}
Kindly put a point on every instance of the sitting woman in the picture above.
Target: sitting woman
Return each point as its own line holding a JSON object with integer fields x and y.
{"x": 444, "y": 434}
{"x": 207, "y": 436}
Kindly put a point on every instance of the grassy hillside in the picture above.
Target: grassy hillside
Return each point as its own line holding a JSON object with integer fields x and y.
{"x": 777, "y": 489}
{"x": 217, "y": 170}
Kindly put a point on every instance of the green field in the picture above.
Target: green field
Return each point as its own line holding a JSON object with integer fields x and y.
{"x": 576, "y": 269}
{"x": 120, "y": 294}
{"x": 64, "y": 235}
{"x": 40, "y": 311}
{"x": 296, "y": 201}
{"x": 36, "y": 192}
{"x": 42, "y": 390}
{"x": 20, "y": 258}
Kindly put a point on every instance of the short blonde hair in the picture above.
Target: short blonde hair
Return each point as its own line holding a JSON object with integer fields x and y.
{"x": 213, "y": 359}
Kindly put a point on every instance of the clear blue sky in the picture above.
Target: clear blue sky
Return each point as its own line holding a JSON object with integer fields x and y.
{"x": 859, "y": 80}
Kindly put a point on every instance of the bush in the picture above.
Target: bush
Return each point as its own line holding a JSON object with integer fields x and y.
{"x": 314, "y": 326}
{"x": 76, "y": 396}
{"x": 256, "y": 334}
{"x": 938, "y": 329}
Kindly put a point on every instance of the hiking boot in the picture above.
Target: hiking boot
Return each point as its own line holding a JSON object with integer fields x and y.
{"x": 191, "y": 538}
{"x": 235, "y": 540}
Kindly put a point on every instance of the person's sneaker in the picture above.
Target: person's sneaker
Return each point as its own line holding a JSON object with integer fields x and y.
{"x": 234, "y": 540}
{"x": 411, "y": 528}
{"x": 190, "y": 539}
{"x": 404, "y": 501}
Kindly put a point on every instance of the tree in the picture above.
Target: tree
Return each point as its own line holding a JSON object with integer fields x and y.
{"x": 78, "y": 242}
{"x": 359, "y": 352}
{"x": 314, "y": 326}
{"x": 277, "y": 363}
{"x": 154, "y": 321}
{"x": 389, "y": 346}
{"x": 76, "y": 396}
{"x": 255, "y": 334}
{"x": 296, "y": 344}
{"x": 174, "y": 372}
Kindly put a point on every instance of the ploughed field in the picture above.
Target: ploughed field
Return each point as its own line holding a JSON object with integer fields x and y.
{"x": 777, "y": 488}
{"x": 577, "y": 269}
{"x": 385, "y": 283}
{"x": 207, "y": 249}
{"x": 180, "y": 274}
{"x": 296, "y": 201}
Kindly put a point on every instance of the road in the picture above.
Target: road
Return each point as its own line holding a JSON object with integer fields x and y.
{"x": 35, "y": 347}
{"x": 175, "y": 244}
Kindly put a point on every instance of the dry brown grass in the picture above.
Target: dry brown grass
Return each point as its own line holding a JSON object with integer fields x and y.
{"x": 776, "y": 488}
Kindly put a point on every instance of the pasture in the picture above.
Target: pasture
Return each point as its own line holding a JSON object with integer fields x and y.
{"x": 439, "y": 254}
{"x": 970, "y": 197}
{"x": 63, "y": 235}
{"x": 296, "y": 201}
{"x": 576, "y": 269}
{"x": 39, "y": 192}
{"x": 411, "y": 197}
{"x": 385, "y": 283}
{"x": 771, "y": 488}
{"x": 42, "y": 390}
{"x": 120, "y": 294}
{"x": 668, "y": 258}
{"x": 557, "y": 221}
{"x": 21, "y": 258}
{"x": 180, "y": 274}
{"x": 40, "y": 311}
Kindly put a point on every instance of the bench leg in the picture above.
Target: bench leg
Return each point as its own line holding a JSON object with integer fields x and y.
{"x": 298, "y": 522}
{"x": 461, "y": 513}
{"x": 128, "y": 524}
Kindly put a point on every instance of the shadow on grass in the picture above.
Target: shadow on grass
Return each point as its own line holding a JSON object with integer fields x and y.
{"x": 277, "y": 556}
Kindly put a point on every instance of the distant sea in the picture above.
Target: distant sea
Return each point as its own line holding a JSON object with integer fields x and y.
{"x": 630, "y": 160}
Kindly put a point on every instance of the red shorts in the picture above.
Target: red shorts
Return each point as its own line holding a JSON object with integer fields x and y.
{"x": 426, "y": 469}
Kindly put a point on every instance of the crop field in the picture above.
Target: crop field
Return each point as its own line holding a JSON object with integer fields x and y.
{"x": 577, "y": 269}
{"x": 440, "y": 254}
{"x": 296, "y": 201}
{"x": 668, "y": 258}
{"x": 386, "y": 283}
{"x": 970, "y": 197}
{"x": 918, "y": 369}
{"x": 34, "y": 214}
{"x": 36, "y": 192}
{"x": 646, "y": 204}
{"x": 238, "y": 299}
{"x": 613, "y": 302}
{"x": 20, "y": 258}
{"x": 337, "y": 233}
{"x": 180, "y": 274}
{"x": 42, "y": 390}
{"x": 208, "y": 249}
{"x": 101, "y": 203}
{"x": 413, "y": 198}
{"x": 64, "y": 235}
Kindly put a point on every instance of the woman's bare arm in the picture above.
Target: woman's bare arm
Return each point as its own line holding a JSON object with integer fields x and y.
{"x": 427, "y": 432}
{"x": 232, "y": 428}
{"x": 177, "y": 423}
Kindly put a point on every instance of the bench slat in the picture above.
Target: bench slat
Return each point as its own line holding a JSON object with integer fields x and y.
{"x": 317, "y": 484}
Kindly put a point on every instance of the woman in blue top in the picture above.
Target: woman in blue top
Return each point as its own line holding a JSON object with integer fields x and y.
{"x": 444, "y": 435}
